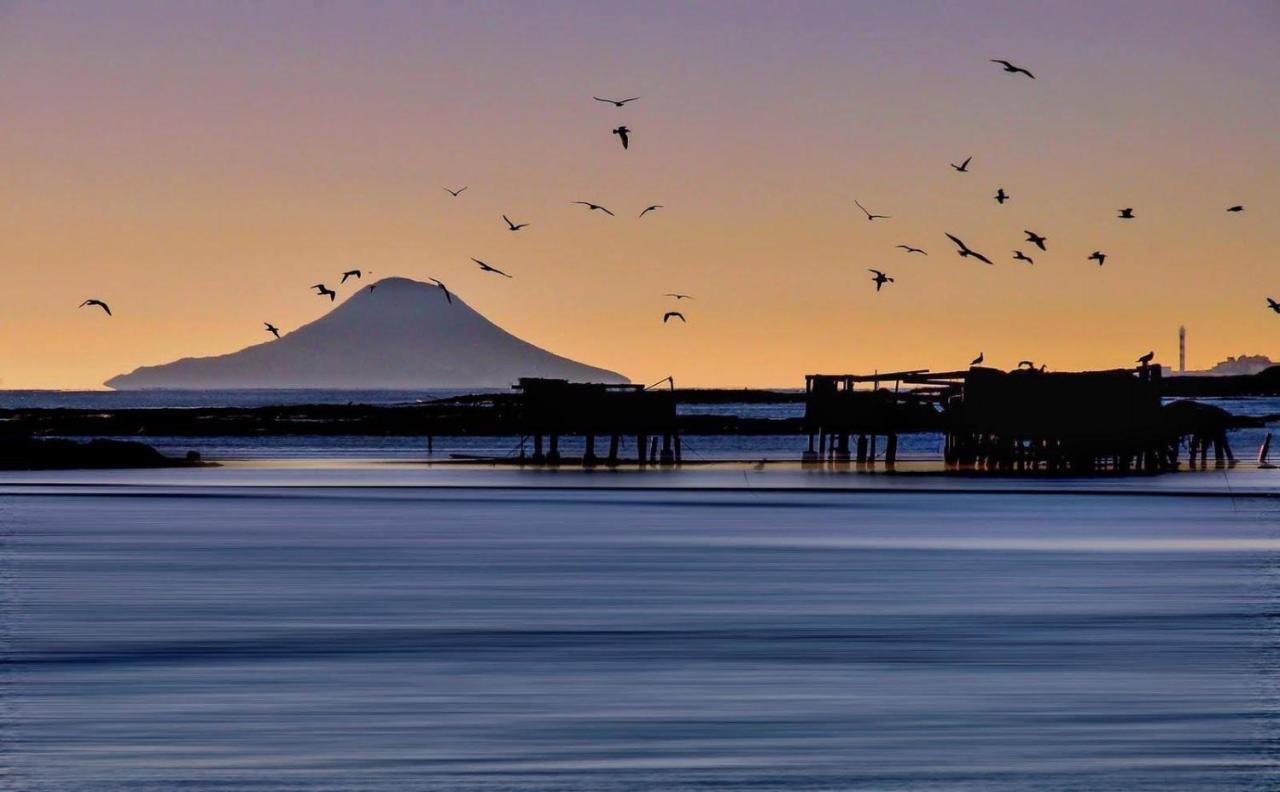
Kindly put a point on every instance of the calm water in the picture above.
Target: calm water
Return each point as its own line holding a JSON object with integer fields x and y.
{"x": 249, "y": 629}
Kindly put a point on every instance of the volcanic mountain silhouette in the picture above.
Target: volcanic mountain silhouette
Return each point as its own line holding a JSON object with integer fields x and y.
{"x": 400, "y": 335}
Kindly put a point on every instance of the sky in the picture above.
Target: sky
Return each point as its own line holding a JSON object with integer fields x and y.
{"x": 199, "y": 165}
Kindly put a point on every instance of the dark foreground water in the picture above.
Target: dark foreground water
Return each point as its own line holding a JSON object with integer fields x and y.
{"x": 372, "y": 638}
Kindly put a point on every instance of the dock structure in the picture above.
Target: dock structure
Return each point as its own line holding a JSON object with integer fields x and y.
{"x": 838, "y": 411}
{"x": 555, "y": 408}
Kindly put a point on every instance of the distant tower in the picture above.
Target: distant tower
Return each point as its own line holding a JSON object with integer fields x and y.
{"x": 1182, "y": 350}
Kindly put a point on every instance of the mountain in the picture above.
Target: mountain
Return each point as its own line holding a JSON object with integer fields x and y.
{"x": 403, "y": 334}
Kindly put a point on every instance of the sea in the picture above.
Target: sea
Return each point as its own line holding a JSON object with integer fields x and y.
{"x": 370, "y": 618}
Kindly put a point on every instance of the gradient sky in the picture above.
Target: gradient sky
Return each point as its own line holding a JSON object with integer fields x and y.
{"x": 199, "y": 165}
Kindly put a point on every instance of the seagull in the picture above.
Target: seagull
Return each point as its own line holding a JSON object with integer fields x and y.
{"x": 98, "y": 303}
{"x": 1001, "y": 196}
{"x": 679, "y": 296}
{"x": 616, "y": 102}
{"x": 350, "y": 274}
{"x": 272, "y": 329}
{"x": 487, "y": 268}
{"x": 1009, "y": 67}
{"x": 649, "y": 209}
{"x": 880, "y": 278}
{"x": 978, "y": 360}
{"x": 910, "y": 249}
{"x": 1147, "y": 358}
{"x": 322, "y": 290}
{"x": 964, "y": 166}
{"x": 1098, "y": 256}
{"x": 1035, "y": 239}
{"x": 1018, "y": 255}
{"x": 444, "y": 289}
{"x": 1273, "y": 305}
{"x": 372, "y": 286}
{"x": 1026, "y": 363}
{"x": 594, "y": 207}
{"x": 1126, "y": 214}
{"x": 622, "y": 132}
{"x": 513, "y": 226}
{"x": 965, "y": 251}
{"x": 1236, "y": 208}
{"x": 670, "y": 314}
{"x": 454, "y": 193}
{"x": 869, "y": 215}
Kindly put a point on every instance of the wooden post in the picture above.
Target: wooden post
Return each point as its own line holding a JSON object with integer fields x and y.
{"x": 613, "y": 449}
{"x": 653, "y": 449}
{"x": 553, "y": 450}
{"x": 538, "y": 457}
{"x": 678, "y": 453}
{"x": 891, "y": 449}
{"x": 642, "y": 444}
{"x": 589, "y": 453}
{"x": 862, "y": 448}
{"x": 668, "y": 455}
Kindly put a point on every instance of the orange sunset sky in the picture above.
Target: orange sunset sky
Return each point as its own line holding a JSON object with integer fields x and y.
{"x": 199, "y": 165}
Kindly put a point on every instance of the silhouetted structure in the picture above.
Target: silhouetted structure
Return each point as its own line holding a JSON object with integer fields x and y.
{"x": 555, "y": 408}
{"x": 836, "y": 411}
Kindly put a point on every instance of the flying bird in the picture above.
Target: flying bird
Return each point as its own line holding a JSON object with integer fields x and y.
{"x": 595, "y": 207}
{"x": 1273, "y": 305}
{"x": 272, "y": 329}
{"x": 649, "y": 209}
{"x": 1009, "y": 67}
{"x": 513, "y": 226}
{"x": 1098, "y": 256}
{"x": 1147, "y": 358}
{"x": 670, "y": 314}
{"x": 964, "y": 250}
{"x": 880, "y": 278}
{"x": 1126, "y": 214}
{"x": 372, "y": 286}
{"x": 910, "y": 249}
{"x": 964, "y": 166}
{"x": 1018, "y": 255}
{"x": 98, "y": 303}
{"x": 623, "y": 133}
{"x": 350, "y": 274}
{"x": 615, "y": 102}
{"x": 678, "y": 296}
{"x": 978, "y": 360}
{"x": 1236, "y": 208}
{"x": 454, "y": 193}
{"x": 444, "y": 289}
{"x": 1001, "y": 196}
{"x": 869, "y": 215}
{"x": 322, "y": 290}
{"x": 1035, "y": 239}
{"x": 486, "y": 268}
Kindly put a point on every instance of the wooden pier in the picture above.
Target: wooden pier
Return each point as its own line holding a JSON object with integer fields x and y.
{"x": 554, "y": 408}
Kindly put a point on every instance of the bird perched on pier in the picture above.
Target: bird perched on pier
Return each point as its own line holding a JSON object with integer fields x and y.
{"x": 350, "y": 274}
{"x": 1126, "y": 214}
{"x": 880, "y": 278}
{"x": 1098, "y": 256}
{"x": 444, "y": 289}
{"x": 513, "y": 226}
{"x": 649, "y": 209}
{"x": 322, "y": 290}
{"x": 964, "y": 250}
{"x": 1018, "y": 255}
{"x": 623, "y": 133}
{"x": 1001, "y": 196}
{"x": 1236, "y": 208}
{"x": 486, "y": 268}
{"x": 1273, "y": 305}
{"x": 678, "y": 296}
{"x": 272, "y": 329}
{"x": 964, "y": 166}
{"x": 595, "y": 207}
{"x": 1026, "y": 364}
{"x": 978, "y": 360}
{"x": 615, "y": 102}
{"x": 454, "y": 193}
{"x": 910, "y": 249}
{"x": 1147, "y": 358}
{"x": 98, "y": 303}
{"x": 869, "y": 215}
{"x": 666, "y": 316}
{"x": 1035, "y": 239}
{"x": 1009, "y": 67}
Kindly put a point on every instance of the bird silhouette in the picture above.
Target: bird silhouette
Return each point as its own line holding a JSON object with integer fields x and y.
{"x": 869, "y": 215}
{"x": 595, "y": 207}
{"x": 880, "y": 278}
{"x": 623, "y": 133}
{"x": 978, "y": 360}
{"x": 1009, "y": 67}
{"x": 486, "y": 268}
{"x": 272, "y": 329}
{"x": 1001, "y": 196}
{"x": 1236, "y": 208}
{"x": 454, "y": 193}
{"x": 444, "y": 289}
{"x": 1147, "y": 358}
{"x": 372, "y": 286}
{"x": 1035, "y": 239}
{"x": 1273, "y": 305}
{"x": 910, "y": 249}
{"x": 513, "y": 226}
{"x": 964, "y": 250}
{"x": 322, "y": 290}
{"x": 1018, "y": 255}
{"x": 1126, "y": 214}
{"x": 666, "y": 316}
{"x": 678, "y": 296}
{"x": 350, "y": 274}
{"x": 1098, "y": 256}
{"x": 615, "y": 102}
{"x": 1026, "y": 363}
{"x": 964, "y": 166}
{"x": 98, "y": 303}
{"x": 649, "y": 209}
